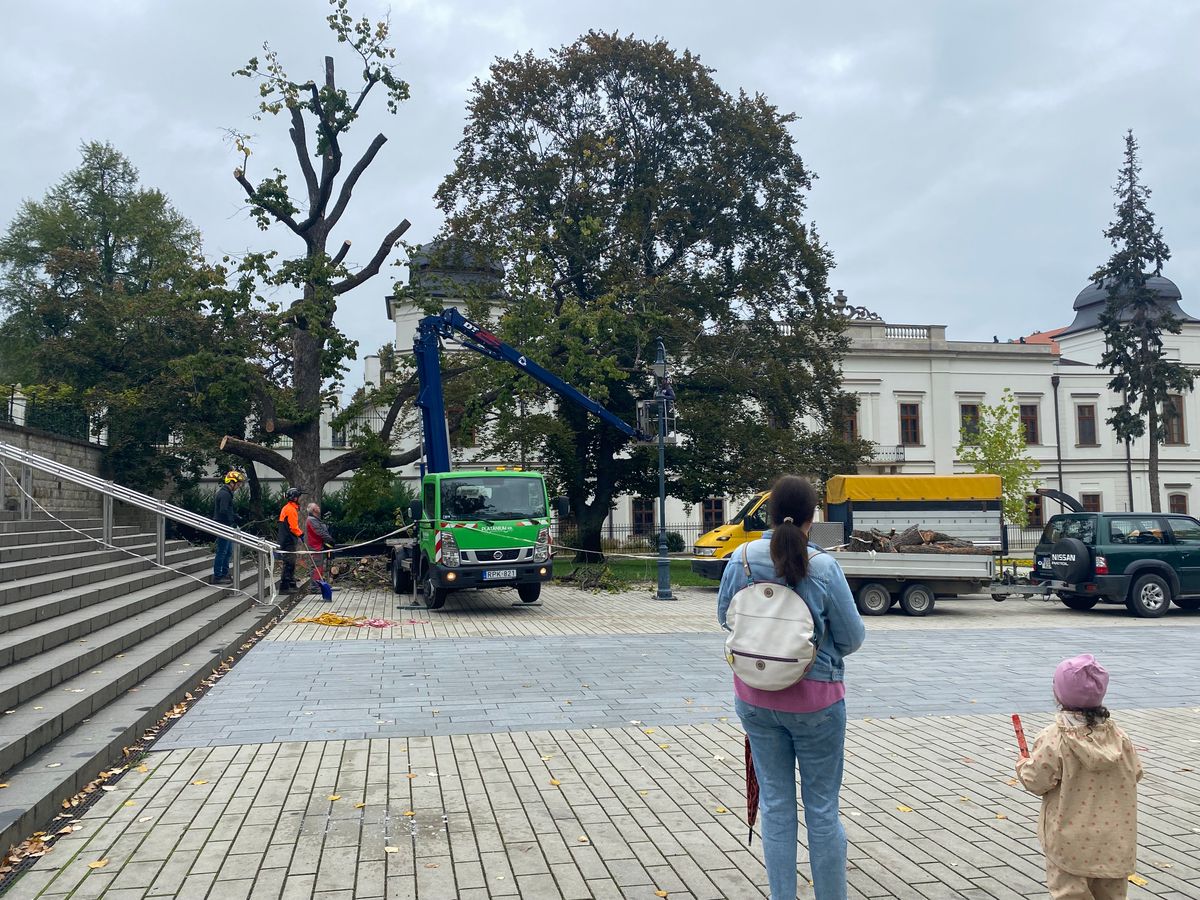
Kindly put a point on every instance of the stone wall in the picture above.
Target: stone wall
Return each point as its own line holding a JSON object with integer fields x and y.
{"x": 56, "y": 495}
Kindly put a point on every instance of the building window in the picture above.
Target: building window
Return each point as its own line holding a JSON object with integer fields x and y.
{"x": 339, "y": 437}
{"x": 1029, "y": 419}
{"x": 850, "y": 426}
{"x": 1177, "y": 504}
{"x": 1085, "y": 425}
{"x": 1091, "y": 502}
{"x": 1037, "y": 516}
{"x": 968, "y": 419}
{"x": 712, "y": 513}
{"x": 643, "y": 516}
{"x": 1173, "y": 420}
{"x": 910, "y": 424}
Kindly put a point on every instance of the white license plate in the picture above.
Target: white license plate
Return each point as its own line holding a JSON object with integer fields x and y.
{"x": 499, "y": 574}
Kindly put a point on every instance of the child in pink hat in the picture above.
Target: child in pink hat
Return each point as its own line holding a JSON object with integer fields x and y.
{"x": 1086, "y": 771}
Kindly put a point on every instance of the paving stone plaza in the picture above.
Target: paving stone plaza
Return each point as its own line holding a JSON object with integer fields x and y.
{"x": 586, "y": 747}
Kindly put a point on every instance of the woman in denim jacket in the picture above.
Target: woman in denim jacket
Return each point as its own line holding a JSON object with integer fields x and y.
{"x": 804, "y": 723}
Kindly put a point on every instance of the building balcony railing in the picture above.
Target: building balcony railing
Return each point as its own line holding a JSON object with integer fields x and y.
{"x": 906, "y": 332}
{"x": 887, "y": 455}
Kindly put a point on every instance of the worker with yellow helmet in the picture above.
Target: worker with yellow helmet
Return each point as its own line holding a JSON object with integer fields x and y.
{"x": 224, "y": 513}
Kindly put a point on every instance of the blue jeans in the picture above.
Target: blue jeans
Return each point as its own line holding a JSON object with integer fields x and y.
{"x": 778, "y": 741}
{"x": 224, "y": 555}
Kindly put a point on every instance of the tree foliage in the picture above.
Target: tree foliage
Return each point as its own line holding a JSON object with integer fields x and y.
{"x": 1134, "y": 320}
{"x": 995, "y": 444}
{"x": 105, "y": 288}
{"x": 628, "y": 196}
{"x": 304, "y": 354}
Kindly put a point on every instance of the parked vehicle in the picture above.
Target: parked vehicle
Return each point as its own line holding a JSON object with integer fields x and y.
{"x": 879, "y": 581}
{"x": 1145, "y": 560}
{"x": 479, "y": 528}
{"x": 964, "y": 506}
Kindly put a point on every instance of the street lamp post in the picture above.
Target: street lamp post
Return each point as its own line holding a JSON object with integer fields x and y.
{"x": 664, "y": 563}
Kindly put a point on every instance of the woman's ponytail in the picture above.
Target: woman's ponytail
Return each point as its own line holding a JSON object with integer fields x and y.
{"x": 793, "y": 502}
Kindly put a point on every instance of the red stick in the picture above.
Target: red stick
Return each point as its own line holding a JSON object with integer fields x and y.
{"x": 1020, "y": 735}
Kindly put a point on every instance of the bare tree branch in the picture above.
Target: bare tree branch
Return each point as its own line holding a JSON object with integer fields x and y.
{"x": 300, "y": 141}
{"x": 341, "y": 254}
{"x": 352, "y": 459}
{"x": 258, "y": 453}
{"x": 273, "y": 208}
{"x": 372, "y": 268}
{"x": 352, "y": 179}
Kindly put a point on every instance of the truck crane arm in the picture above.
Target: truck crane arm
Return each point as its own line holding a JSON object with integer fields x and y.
{"x": 453, "y": 325}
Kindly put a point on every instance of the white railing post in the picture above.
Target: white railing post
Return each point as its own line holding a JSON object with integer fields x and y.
{"x": 160, "y": 527}
{"x": 264, "y": 566}
{"x": 106, "y": 517}
{"x": 27, "y": 493}
{"x": 237, "y": 566}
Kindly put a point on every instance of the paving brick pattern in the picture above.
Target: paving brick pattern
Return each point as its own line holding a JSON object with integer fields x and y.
{"x": 634, "y": 811}
{"x": 566, "y": 611}
{"x": 496, "y": 801}
{"x": 352, "y": 690}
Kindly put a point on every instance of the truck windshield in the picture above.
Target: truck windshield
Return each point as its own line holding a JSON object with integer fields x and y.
{"x": 486, "y": 498}
{"x": 1081, "y": 527}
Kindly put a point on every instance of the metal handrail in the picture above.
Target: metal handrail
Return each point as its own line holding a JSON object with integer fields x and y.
{"x": 111, "y": 491}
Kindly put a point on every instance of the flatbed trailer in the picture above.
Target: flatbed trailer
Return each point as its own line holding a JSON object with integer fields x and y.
{"x": 914, "y": 580}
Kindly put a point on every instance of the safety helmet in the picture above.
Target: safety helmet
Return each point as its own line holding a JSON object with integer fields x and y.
{"x": 294, "y": 493}
{"x": 235, "y": 476}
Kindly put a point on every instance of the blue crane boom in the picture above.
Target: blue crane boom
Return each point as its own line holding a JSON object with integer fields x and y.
{"x": 452, "y": 324}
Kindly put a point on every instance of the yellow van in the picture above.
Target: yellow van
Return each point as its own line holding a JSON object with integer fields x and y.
{"x": 713, "y": 548}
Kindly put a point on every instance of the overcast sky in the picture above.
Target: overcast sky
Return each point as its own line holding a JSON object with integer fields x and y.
{"x": 965, "y": 150}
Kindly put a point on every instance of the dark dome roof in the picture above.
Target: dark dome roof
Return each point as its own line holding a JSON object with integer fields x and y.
{"x": 1093, "y": 299}
{"x": 452, "y": 256}
{"x": 1097, "y": 292}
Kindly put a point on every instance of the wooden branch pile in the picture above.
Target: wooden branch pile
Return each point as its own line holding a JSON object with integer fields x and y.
{"x": 912, "y": 540}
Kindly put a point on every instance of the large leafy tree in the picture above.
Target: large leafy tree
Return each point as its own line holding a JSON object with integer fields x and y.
{"x": 116, "y": 315}
{"x": 995, "y": 444}
{"x": 1134, "y": 320}
{"x": 628, "y": 196}
{"x": 303, "y": 358}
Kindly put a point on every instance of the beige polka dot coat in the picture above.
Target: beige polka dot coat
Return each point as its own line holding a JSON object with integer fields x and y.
{"x": 1087, "y": 779}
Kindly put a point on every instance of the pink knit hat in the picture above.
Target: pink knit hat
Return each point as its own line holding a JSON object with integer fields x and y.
{"x": 1080, "y": 682}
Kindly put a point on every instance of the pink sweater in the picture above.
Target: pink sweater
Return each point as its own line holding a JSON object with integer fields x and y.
{"x": 805, "y": 696}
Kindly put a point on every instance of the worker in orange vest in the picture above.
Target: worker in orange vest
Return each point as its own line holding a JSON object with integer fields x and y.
{"x": 289, "y": 538}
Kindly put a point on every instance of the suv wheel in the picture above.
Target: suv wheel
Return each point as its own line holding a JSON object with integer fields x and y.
{"x": 1077, "y": 601}
{"x": 1150, "y": 597}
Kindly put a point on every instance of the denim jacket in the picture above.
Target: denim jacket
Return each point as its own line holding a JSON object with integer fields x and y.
{"x": 839, "y": 627}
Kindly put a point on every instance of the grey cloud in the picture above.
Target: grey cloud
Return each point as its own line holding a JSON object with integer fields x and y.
{"x": 965, "y": 152}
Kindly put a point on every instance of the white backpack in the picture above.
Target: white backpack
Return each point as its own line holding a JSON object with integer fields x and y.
{"x": 772, "y": 641}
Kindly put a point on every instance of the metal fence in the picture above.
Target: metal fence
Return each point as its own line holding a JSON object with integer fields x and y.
{"x": 54, "y": 416}
{"x": 1022, "y": 538}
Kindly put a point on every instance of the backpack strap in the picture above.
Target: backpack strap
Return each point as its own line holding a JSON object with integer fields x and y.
{"x": 746, "y": 562}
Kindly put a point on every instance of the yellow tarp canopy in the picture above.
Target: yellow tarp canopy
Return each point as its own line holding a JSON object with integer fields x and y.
{"x": 841, "y": 488}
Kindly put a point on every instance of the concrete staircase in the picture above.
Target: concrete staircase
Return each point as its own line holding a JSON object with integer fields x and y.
{"x": 95, "y": 646}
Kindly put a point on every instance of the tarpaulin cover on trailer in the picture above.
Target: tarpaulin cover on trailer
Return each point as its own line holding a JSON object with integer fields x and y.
{"x": 843, "y": 488}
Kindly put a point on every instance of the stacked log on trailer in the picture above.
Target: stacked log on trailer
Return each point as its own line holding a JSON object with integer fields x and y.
{"x": 913, "y": 539}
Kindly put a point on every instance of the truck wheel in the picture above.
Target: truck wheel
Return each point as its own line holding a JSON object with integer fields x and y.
{"x": 1192, "y": 603}
{"x": 1075, "y": 601}
{"x": 435, "y": 597}
{"x": 1149, "y": 597}
{"x": 529, "y": 593}
{"x": 873, "y": 599}
{"x": 917, "y": 600}
{"x": 401, "y": 580}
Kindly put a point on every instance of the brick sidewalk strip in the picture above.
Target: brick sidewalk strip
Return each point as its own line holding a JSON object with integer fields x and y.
{"x": 635, "y": 810}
